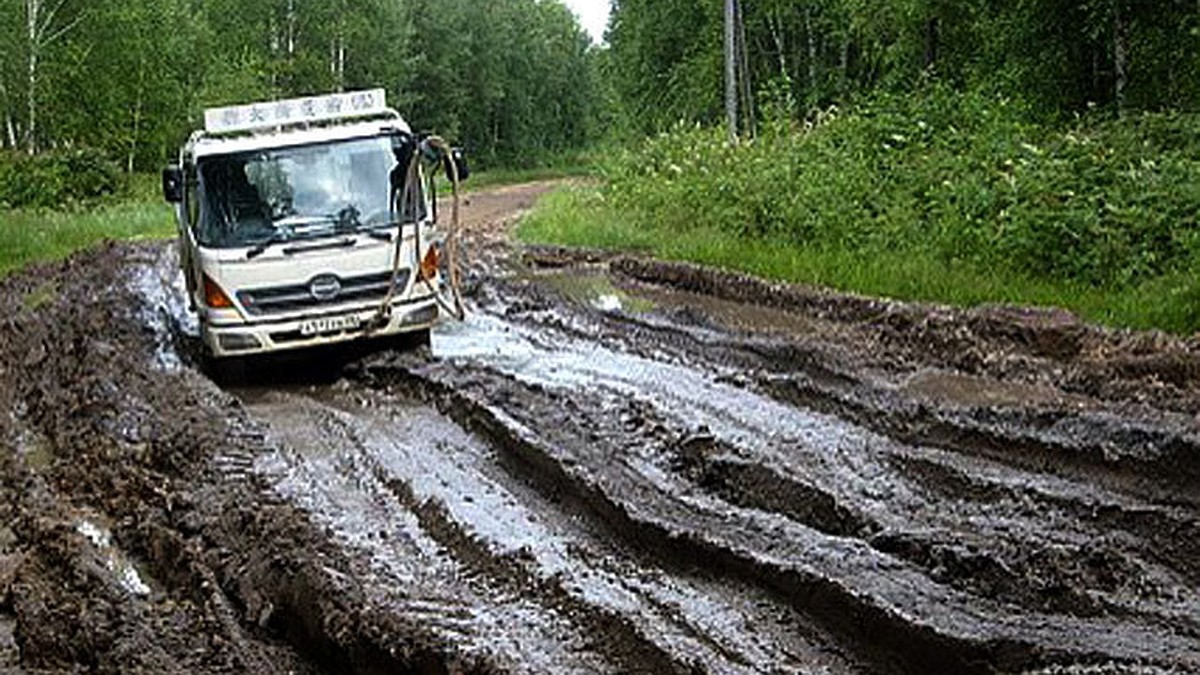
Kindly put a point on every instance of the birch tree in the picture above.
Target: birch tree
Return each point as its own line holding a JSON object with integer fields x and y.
{"x": 44, "y": 25}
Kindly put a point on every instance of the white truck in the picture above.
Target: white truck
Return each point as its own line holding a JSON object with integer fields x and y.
{"x": 308, "y": 222}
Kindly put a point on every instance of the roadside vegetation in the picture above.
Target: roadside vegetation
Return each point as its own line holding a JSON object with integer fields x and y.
{"x": 941, "y": 197}
{"x": 970, "y": 152}
{"x": 70, "y": 202}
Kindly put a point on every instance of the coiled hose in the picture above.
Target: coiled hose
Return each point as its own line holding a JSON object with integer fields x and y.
{"x": 454, "y": 305}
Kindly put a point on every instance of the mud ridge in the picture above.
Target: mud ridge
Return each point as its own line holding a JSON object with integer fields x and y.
{"x": 1035, "y": 440}
{"x": 899, "y": 643}
{"x": 1157, "y": 457}
{"x": 1155, "y": 463}
{"x": 612, "y": 633}
{"x": 1000, "y": 341}
{"x": 714, "y": 467}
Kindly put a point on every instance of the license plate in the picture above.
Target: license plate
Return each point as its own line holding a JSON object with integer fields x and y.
{"x": 337, "y": 324}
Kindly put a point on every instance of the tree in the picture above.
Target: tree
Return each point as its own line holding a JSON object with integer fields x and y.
{"x": 45, "y": 24}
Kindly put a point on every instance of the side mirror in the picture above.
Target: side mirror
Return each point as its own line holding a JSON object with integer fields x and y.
{"x": 172, "y": 184}
{"x": 460, "y": 163}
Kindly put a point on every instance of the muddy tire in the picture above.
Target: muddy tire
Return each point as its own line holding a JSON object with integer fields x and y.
{"x": 417, "y": 339}
{"x": 229, "y": 371}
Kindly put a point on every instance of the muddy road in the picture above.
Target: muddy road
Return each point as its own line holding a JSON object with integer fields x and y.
{"x": 614, "y": 465}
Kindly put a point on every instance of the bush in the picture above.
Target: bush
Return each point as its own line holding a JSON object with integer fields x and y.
{"x": 961, "y": 178}
{"x": 56, "y": 179}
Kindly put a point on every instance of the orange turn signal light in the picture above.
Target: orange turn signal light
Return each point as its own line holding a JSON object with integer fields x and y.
{"x": 214, "y": 297}
{"x": 429, "y": 266}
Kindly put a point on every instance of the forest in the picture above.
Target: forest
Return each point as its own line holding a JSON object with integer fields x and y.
{"x": 1057, "y": 57}
{"x": 514, "y": 79}
{"x": 518, "y": 80}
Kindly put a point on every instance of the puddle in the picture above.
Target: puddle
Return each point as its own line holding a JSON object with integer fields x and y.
{"x": 594, "y": 289}
{"x": 738, "y": 316}
{"x": 123, "y": 569}
{"x": 966, "y": 390}
{"x": 746, "y": 419}
{"x": 165, "y": 308}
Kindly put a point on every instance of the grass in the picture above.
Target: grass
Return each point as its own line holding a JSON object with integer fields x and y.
{"x": 581, "y": 216}
{"x": 29, "y": 236}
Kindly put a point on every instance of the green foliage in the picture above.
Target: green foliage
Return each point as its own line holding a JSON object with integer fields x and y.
{"x": 513, "y": 80}
{"x": 956, "y": 177}
{"x": 56, "y": 179}
{"x": 938, "y": 197}
{"x": 516, "y": 81}
{"x": 33, "y": 235}
{"x": 1061, "y": 56}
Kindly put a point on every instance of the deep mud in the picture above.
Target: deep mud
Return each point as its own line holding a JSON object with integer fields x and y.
{"x": 615, "y": 465}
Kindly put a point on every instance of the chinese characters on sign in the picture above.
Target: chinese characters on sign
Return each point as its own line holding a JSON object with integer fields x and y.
{"x": 295, "y": 111}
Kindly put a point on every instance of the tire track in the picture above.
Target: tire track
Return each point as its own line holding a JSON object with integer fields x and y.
{"x": 1033, "y": 636}
{"x": 643, "y": 619}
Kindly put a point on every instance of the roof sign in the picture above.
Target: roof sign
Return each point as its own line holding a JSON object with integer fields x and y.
{"x": 295, "y": 111}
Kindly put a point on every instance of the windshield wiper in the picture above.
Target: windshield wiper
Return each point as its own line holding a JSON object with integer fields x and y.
{"x": 382, "y": 231}
{"x": 262, "y": 247}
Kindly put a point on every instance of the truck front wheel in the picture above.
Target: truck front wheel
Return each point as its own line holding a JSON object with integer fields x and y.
{"x": 225, "y": 372}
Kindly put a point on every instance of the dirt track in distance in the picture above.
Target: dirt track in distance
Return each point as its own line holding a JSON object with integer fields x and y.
{"x": 614, "y": 465}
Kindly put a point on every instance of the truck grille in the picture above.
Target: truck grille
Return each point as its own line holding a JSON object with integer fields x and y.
{"x": 324, "y": 291}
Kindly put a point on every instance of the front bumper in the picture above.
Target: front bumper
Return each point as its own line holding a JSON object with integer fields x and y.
{"x": 246, "y": 339}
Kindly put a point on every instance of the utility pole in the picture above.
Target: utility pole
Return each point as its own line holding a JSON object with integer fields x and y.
{"x": 731, "y": 59}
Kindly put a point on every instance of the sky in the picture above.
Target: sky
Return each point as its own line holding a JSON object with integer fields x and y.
{"x": 593, "y": 14}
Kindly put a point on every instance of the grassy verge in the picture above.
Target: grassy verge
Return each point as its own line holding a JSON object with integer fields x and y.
{"x": 28, "y": 236}
{"x": 584, "y": 216}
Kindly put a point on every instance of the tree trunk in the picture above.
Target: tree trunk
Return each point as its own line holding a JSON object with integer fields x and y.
{"x": 731, "y": 87}
{"x": 1120, "y": 55}
{"x": 9, "y": 140}
{"x": 776, "y": 27}
{"x": 137, "y": 113}
{"x": 32, "y": 11}
{"x": 291, "y": 30}
{"x": 932, "y": 38}
{"x": 747, "y": 90}
{"x": 811, "y": 35}
{"x": 38, "y": 21}
{"x": 341, "y": 61}
{"x": 844, "y": 63}
{"x": 337, "y": 61}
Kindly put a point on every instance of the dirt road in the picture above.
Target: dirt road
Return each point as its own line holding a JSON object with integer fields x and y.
{"x": 614, "y": 465}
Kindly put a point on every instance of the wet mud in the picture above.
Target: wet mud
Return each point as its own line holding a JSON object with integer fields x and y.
{"x": 614, "y": 465}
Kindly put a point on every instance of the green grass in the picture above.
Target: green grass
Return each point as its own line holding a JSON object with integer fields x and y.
{"x": 29, "y": 236}
{"x": 581, "y": 216}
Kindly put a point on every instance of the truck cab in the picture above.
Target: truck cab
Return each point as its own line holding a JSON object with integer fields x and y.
{"x": 305, "y": 222}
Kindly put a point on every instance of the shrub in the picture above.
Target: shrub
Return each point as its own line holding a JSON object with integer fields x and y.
{"x": 963, "y": 178}
{"x": 57, "y": 178}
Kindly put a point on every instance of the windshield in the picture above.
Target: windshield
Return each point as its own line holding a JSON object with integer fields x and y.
{"x": 288, "y": 194}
